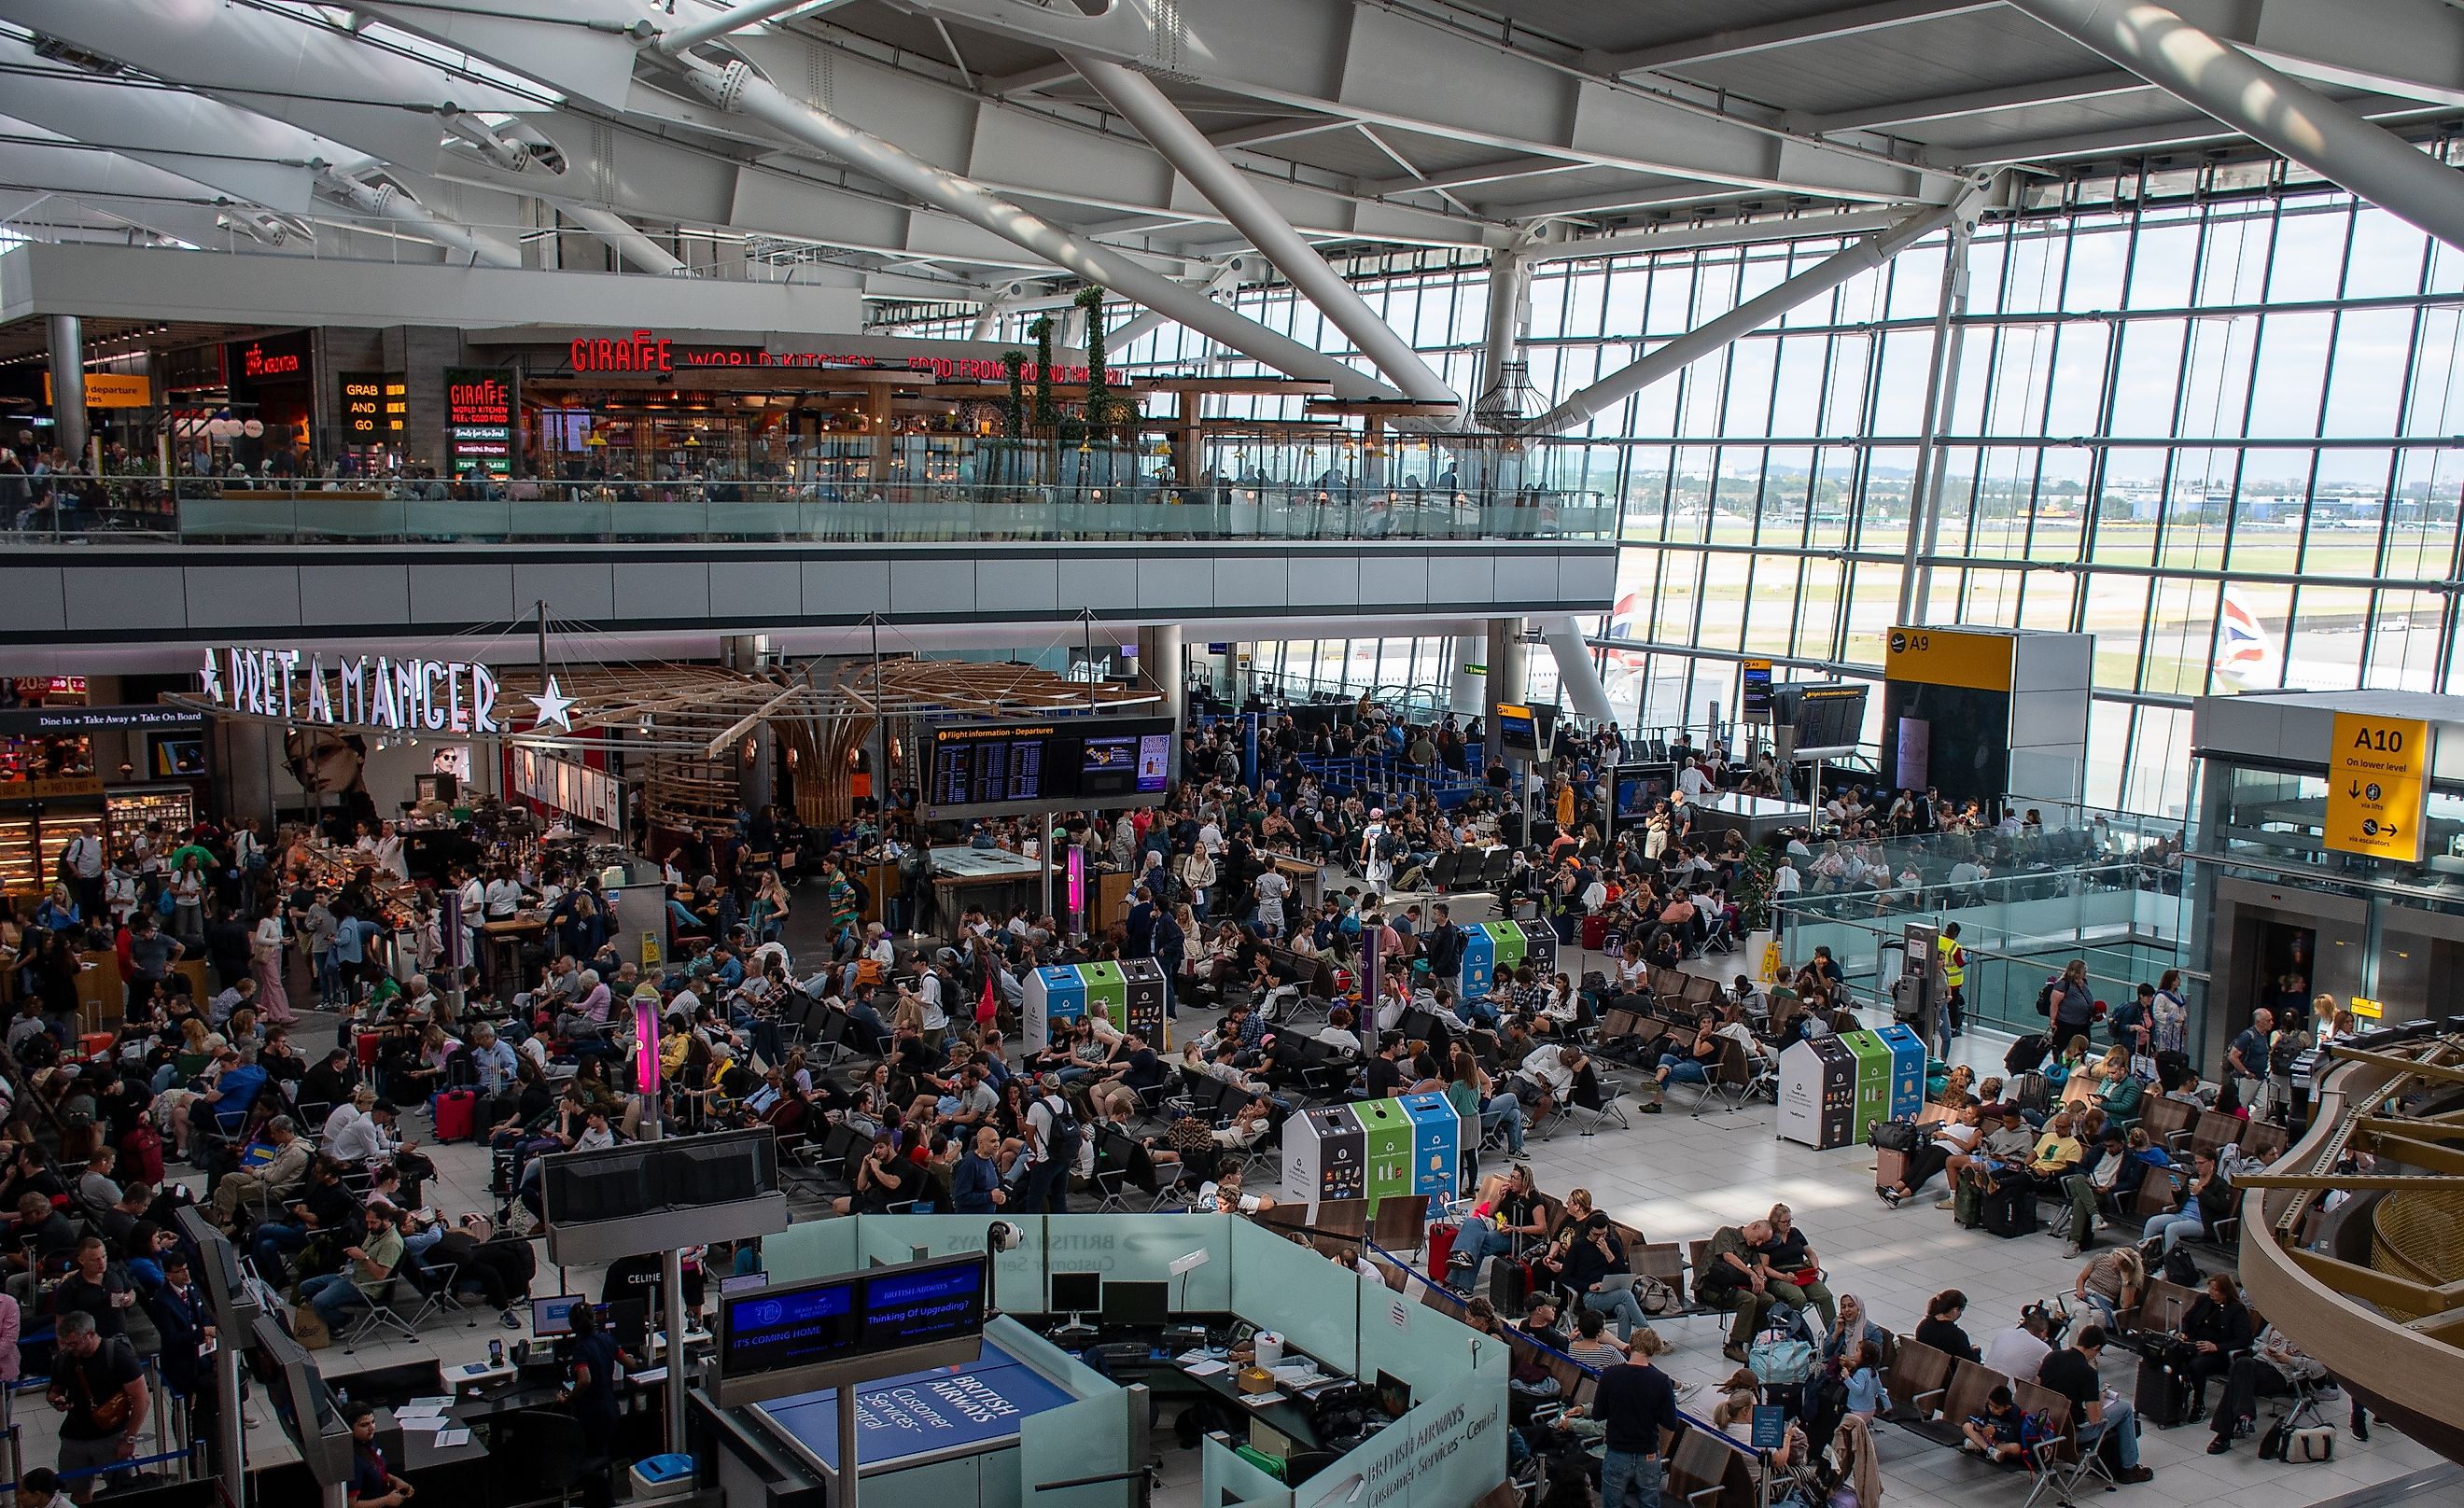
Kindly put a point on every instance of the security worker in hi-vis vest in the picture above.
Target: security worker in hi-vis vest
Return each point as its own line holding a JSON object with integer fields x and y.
{"x": 1954, "y": 974}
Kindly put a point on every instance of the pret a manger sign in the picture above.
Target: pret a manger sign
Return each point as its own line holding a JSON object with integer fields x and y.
{"x": 360, "y": 691}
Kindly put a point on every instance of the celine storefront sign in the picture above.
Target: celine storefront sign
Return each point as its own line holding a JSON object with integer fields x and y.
{"x": 648, "y": 351}
{"x": 361, "y": 692}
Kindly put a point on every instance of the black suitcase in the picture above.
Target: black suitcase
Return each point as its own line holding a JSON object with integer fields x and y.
{"x": 1509, "y": 1286}
{"x": 2027, "y": 1053}
{"x": 2010, "y": 1210}
{"x": 2163, "y": 1395}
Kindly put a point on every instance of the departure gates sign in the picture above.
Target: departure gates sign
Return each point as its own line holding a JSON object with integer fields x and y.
{"x": 2378, "y": 777}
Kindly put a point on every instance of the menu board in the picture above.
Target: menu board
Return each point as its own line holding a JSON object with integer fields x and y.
{"x": 1000, "y": 769}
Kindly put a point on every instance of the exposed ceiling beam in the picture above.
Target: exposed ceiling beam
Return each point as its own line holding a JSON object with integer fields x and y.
{"x": 1975, "y": 101}
{"x": 1472, "y": 174}
{"x": 1027, "y": 81}
{"x": 2269, "y": 106}
{"x": 1737, "y": 41}
{"x": 2161, "y": 136}
{"x": 1390, "y": 70}
{"x": 1290, "y": 128}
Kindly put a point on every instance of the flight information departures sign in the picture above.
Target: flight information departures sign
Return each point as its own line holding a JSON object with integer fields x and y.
{"x": 2378, "y": 774}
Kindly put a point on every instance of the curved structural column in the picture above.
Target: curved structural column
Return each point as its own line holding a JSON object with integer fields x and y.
{"x": 739, "y": 89}
{"x": 2269, "y": 107}
{"x": 1184, "y": 145}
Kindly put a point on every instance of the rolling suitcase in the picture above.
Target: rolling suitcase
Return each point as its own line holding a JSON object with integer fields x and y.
{"x": 2163, "y": 1397}
{"x": 1441, "y": 1250}
{"x": 1596, "y": 931}
{"x": 458, "y": 1115}
{"x": 1510, "y": 1285}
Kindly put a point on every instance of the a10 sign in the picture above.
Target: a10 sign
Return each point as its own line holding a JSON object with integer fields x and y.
{"x": 2378, "y": 774}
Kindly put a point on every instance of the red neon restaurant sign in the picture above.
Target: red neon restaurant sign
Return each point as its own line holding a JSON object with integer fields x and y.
{"x": 256, "y": 361}
{"x": 643, "y": 351}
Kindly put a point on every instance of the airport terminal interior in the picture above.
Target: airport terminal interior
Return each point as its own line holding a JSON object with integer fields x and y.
{"x": 1232, "y": 753}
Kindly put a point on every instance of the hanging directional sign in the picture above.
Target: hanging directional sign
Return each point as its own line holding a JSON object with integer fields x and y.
{"x": 2378, "y": 774}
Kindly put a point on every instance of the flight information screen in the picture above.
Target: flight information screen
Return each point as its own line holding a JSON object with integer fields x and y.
{"x": 816, "y": 1334}
{"x": 998, "y": 768}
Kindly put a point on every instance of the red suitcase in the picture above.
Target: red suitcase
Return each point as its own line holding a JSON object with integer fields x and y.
{"x": 1441, "y": 1250}
{"x": 367, "y": 1046}
{"x": 98, "y": 1045}
{"x": 1596, "y": 931}
{"x": 458, "y": 1115}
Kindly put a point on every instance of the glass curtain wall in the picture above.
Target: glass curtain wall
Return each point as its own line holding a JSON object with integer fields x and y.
{"x": 2208, "y": 416}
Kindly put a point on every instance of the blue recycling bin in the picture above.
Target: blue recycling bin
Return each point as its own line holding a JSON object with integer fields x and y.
{"x": 1054, "y": 992}
{"x": 1436, "y": 1145}
{"x": 1907, "y": 1071}
{"x": 1478, "y": 965}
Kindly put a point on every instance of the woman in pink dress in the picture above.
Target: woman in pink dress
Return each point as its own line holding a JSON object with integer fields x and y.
{"x": 265, "y": 951}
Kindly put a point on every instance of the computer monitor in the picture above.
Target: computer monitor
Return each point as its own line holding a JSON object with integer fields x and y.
{"x": 1133, "y": 1304}
{"x": 628, "y": 1321}
{"x": 553, "y": 1315}
{"x": 743, "y": 1281}
{"x": 1394, "y": 1394}
{"x": 1077, "y": 1293}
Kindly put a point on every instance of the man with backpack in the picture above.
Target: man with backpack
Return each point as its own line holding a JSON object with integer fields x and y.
{"x": 1055, "y": 1131}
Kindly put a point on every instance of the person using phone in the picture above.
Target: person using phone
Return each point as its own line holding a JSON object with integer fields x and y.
{"x": 372, "y": 1484}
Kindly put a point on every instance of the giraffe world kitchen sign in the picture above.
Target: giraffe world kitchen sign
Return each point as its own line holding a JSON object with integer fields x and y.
{"x": 479, "y": 420}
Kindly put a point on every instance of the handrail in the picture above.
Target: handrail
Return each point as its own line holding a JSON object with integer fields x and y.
{"x": 85, "y": 510}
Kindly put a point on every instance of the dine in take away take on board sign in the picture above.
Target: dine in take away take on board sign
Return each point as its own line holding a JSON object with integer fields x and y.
{"x": 2378, "y": 777}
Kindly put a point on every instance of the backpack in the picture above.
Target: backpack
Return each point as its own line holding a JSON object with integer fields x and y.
{"x": 1061, "y": 1142}
{"x": 2280, "y": 1053}
{"x": 2045, "y": 997}
{"x": 868, "y": 973}
{"x": 2180, "y": 1269}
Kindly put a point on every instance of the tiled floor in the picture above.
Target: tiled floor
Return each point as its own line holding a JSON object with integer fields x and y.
{"x": 1676, "y": 1177}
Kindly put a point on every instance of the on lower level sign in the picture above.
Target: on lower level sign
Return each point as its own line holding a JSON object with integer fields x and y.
{"x": 2378, "y": 773}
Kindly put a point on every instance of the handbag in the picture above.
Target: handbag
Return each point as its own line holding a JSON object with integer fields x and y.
{"x": 1891, "y": 1136}
{"x": 308, "y": 1327}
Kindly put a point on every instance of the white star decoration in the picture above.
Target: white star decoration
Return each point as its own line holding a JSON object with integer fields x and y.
{"x": 213, "y": 677}
{"x": 549, "y": 706}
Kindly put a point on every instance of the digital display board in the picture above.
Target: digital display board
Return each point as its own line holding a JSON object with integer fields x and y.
{"x": 1517, "y": 730}
{"x": 853, "y": 1329}
{"x": 1001, "y": 769}
{"x": 1826, "y": 715}
{"x": 1757, "y": 691}
{"x": 374, "y": 405}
